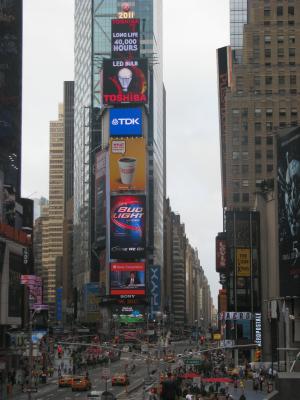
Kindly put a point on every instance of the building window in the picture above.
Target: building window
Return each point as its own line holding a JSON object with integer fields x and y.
{"x": 236, "y": 197}
{"x": 245, "y": 197}
{"x": 294, "y": 112}
{"x": 245, "y": 169}
{"x": 291, "y": 11}
{"x": 280, "y": 39}
{"x": 269, "y": 126}
{"x": 268, "y": 80}
{"x": 235, "y": 170}
{"x": 292, "y": 39}
{"x": 235, "y": 185}
{"x": 244, "y": 140}
{"x": 269, "y": 112}
{"x": 257, "y": 126}
{"x": 245, "y": 183}
{"x": 281, "y": 79}
{"x": 257, "y": 112}
{"x": 293, "y": 91}
{"x": 279, "y": 11}
{"x": 292, "y": 52}
{"x": 280, "y": 52}
{"x": 282, "y": 124}
{"x": 282, "y": 112}
{"x": 270, "y": 154}
{"x": 269, "y": 167}
{"x": 293, "y": 79}
{"x": 267, "y": 39}
{"x": 258, "y": 140}
{"x": 257, "y": 81}
{"x": 258, "y": 168}
{"x": 282, "y": 91}
{"x": 257, "y": 154}
{"x": 245, "y": 155}
{"x": 235, "y": 155}
{"x": 294, "y": 123}
{"x": 235, "y": 111}
{"x": 291, "y": 22}
{"x": 269, "y": 91}
{"x": 235, "y": 140}
{"x": 267, "y": 52}
{"x": 279, "y": 23}
{"x": 269, "y": 140}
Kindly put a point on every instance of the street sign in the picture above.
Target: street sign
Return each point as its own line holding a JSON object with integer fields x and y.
{"x": 193, "y": 361}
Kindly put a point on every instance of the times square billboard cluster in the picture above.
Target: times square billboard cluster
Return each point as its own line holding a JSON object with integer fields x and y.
{"x": 121, "y": 166}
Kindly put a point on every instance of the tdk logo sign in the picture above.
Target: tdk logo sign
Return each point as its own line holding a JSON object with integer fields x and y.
{"x": 125, "y": 122}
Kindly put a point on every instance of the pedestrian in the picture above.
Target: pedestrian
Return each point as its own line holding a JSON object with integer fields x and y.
{"x": 242, "y": 397}
{"x": 261, "y": 381}
{"x": 168, "y": 391}
{"x": 188, "y": 397}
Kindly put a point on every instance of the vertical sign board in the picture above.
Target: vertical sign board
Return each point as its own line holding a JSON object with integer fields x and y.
{"x": 34, "y": 284}
{"x": 59, "y": 292}
{"x": 288, "y": 213}
{"x": 221, "y": 254}
{"x": 243, "y": 262}
{"x": 125, "y": 38}
{"x": 154, "y": 287}
{"x": 91, "y": 301}
{"x": 100, "y": 196}
{"x": 258, "y": 335}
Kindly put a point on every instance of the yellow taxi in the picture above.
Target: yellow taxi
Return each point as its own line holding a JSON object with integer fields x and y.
{"x": 81, "y": 383}
{"x": 65, "y": 381}
{"x": 120, "y": 379}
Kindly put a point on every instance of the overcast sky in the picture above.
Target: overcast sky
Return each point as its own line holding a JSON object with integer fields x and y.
{"x": 193, "y": 30}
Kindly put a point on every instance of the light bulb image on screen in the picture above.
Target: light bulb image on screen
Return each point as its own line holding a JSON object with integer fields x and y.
{"x": 125, "y": 77}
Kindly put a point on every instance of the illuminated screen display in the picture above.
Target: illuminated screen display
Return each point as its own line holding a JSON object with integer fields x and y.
{"x": 127, "y": 278}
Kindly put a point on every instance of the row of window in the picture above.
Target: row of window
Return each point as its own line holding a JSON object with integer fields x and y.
{"x": 237, "y": 197}
{"x": 280, "y": 23}
{"x": 280, "y": 11}
{"x": 244, "y": 168}
{"x": 268, "y": 112}
{"x": 257, "y": 139}
{"x": 280, "y": 52}
{"x": 244, "y": 155}
{"x": 280, "y": 39}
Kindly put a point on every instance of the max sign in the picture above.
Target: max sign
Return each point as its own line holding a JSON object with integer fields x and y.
{"x": 154, "y": 276}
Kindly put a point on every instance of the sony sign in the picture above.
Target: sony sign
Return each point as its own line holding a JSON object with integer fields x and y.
{"x": 154, "y": 276}
{"x": 124, "y": 122}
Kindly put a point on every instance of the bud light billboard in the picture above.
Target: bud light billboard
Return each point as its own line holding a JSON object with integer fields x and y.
{"x": 127, "y": 227}
{"x": 127, "y": 278}
{"x": 125, "y": 81}
{"x": 125, "y": 122}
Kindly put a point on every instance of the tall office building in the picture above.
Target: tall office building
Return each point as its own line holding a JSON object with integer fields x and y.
{"x": 11, "y": 92}
{"x": 56, "y": 205}
{"x": 92, "y": 45}
{"x": 258, "y": 93}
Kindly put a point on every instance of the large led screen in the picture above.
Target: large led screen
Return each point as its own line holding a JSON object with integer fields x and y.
{"x": 125, "y": 38}
{"x": 125, "y": 81}
{"x": 125, "y": 122}
{"x": 127, "y": 165}
{"x": 127, "y": 278}
{"x": 127, "y": 227}
{"x": 288, "y": 213}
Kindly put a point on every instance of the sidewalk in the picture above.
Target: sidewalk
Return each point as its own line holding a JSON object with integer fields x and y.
{"x": 249, "y": 392}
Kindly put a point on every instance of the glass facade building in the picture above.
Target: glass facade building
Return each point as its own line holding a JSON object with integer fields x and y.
{"x": 92, "y": 45}
{"x": 11, "y": 91}
{"x": 238, "y": 18}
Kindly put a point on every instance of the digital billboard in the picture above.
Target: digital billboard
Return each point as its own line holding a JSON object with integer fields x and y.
{"x": 288, "y": 212}
{"x": 127, "y": 278}
{"x": 35, "y": 287}
{"x": 125, "y": 122}
{"x": 127, "y": 227}
{"x": 91, "y": 301}
{"x": 125, "y": 38}
{"x": 127, "y": 165}
{"x": 125, "y": 81}
{"x": 221, "y": 254}
{"x": 243, "y": 262}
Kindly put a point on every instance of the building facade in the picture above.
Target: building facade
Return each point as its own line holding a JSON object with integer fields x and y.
{"x": 92, "y": 46}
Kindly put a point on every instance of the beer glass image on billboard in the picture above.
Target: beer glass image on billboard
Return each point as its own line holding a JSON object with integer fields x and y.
{"x": 127, "y": 278}
{"x": 127, "y": 227}
{"x": 128, "y": 165}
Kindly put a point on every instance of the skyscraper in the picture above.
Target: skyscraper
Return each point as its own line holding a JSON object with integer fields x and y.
{"x": 92, "y": 45}
{"x": 11, "y": 91}
{"x": 260, "y": 95}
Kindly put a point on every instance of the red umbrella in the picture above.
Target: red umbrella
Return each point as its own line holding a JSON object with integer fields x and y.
{"x": 190, "y": 375}
{"x": 217, "y": 380}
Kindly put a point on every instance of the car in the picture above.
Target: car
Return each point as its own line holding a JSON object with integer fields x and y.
{"x": 81, "y": 383}
{"x": 94, "y": 395}
{"x": 65, "y": 381}
{"x": 120, "y": 379}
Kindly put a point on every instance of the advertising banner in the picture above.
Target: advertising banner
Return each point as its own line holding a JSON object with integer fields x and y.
{"x": 59, "y": 292}
{"x": 220, "y": 254}
{"x": 127, "y": 165}
{"x": 91, "y": 301}
{"x": 243, "y": 262}
{"x": 100, "y": 196}
{"x": 125, "y": 81}
{"x": 234, "y": 316}
{"x": 34, "y": 284}
{"x": 125, "y": 122}
{"x": 288, "y": 213}
{"x": 127, "y": 227}
{"x": 127, "y": 278}
{"x": 125, "y": 38}
{"x": 154, "y": 286}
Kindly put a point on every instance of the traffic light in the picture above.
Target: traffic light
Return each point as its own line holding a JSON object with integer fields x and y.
{"x": 257, "y": 356}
